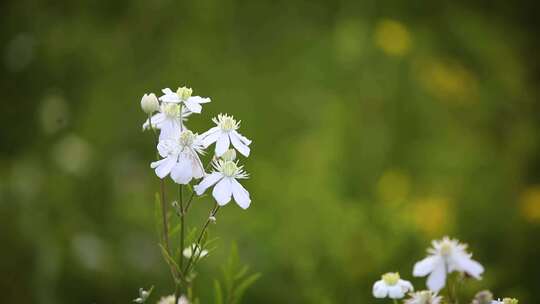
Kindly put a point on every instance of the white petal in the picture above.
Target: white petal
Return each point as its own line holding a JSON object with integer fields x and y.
{"x": 165, "y": 166}
{"x": 197, "y": 166}
{"x": 405, "y": 285}
{"x": 193, "y": 106}
{"x": 243, "y": 138}
{"x": 240, "y": 146}
{"x": 199, "y": 99}
{"x": 379, "y": 289}
{"x": 222, "y": 144}
{"x": 167, "y": 91}
{"x": 395, "y": 292}
{"x": 182, "y": 172}
{"x": 437, "y": 278}
{"x": 207, "y": 182}
{"x": 165, "y": 147}
{"x": 211, "y": 136}
{"x": 170, "y": 129}
{"x": 157, "y": 119}
{"x": 241, "y": 195}
{"x": 470, "y": 266}
{"x": 425, "y": 266}
{"x": 222, "y": 191}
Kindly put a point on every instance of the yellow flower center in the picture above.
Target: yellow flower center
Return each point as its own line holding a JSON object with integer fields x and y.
{"x": 229, "y": 168}
{"x": 510, "y": 301}
{"x": 446, "y": 248}
{"x": 184, "y": 93}
{"x": 228, "y": 123}
{"x": 186, "y": 138}
{"x": 391, "y": 278}
{"x": 171, "y": 110}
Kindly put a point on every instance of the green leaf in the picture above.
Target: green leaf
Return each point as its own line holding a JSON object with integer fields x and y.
{"x": 241, "y": 288}
{"x": 218, "y": 293}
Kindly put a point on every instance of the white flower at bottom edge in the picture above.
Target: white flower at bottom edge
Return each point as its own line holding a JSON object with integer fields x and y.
{"x": 180, "y": 158}
{"x": 169, "y": 120}
{"x": 225, "y": 134}
{"x": 170, "y": 300}
{"x": 226, "y": 185}
{"x": 392, "y": 286}
{"x": 505, "y": 301}
{"x": 192, "y": 249}
{"x": 424, "y": 297}
{"x": 446, "y": 256}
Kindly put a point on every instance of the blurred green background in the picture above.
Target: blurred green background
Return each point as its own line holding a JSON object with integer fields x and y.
{"x": 377, "y": 126}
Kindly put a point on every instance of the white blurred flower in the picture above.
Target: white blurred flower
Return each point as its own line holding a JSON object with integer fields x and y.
{"x": 505, "y": 301}
{"x": 183, "y": 95}
{"x": 424, "y": 297}
{"x": 446, "y": 256}
{"x": 170, "y": 300}
{"x": 143, "y": 295}
{"x": 169, "y": 120}
{"x": 392, "y": 286}
{"x": 180, "y": 158}
{"x": 225, "y": 134}
{"x": 149, "y": 103}
{"x": 225, "y": 177}
{"x": 194, "y": 249}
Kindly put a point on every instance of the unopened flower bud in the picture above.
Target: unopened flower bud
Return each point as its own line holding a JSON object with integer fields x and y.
{"x": 229, "y": 155}
{"x": 149, "y": 103}
{"x": 212, "y": 219}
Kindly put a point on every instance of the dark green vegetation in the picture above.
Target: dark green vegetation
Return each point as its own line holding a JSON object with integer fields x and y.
{"x": 376, "y": 128}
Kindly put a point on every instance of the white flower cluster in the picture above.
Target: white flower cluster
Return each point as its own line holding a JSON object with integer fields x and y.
{"x": 180, "y": 148}
{"x": 445, "y": 256}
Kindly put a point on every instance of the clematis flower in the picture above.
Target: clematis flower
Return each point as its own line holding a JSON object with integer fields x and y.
{"x": 423, "y": 297}
{"x": 183, "y": 96}
{"x": 180, "y": 158}
{"x": 392, "y": 286}
{"x": 193, "y": 249}
{"x": 225, "y": 177}
{"x": 225, "y": 134}
{"x": 446, "y": 256}
{"x": 505, "y": 301}
{"x": 169, "y": 120}
{"x": 170, "y": 300}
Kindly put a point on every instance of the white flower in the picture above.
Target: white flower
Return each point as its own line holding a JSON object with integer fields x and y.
{"x": 424, "y": 297}
{"x": 149, "y": 103}
{"x": 392, "y": 286}
{"x": 225, "y": 177}
{"x": 446, "y": 256}
{"x": 170, "y": 300}
{"x": 183, "y": 95}
{"x": 193, "y": 248}
{"x": 224, "y": 134}
{"x": 169, "y": 120}
{"x": 505, "y": 301}
{"x": 180, "y": 158}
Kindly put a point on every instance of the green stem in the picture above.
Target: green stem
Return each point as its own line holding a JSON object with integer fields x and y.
{"x": 198, "y": 246}
{"x": 395, "y": 301}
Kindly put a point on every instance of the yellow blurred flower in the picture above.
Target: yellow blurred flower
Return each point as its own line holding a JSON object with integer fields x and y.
{"x": 530, "y": 204}
{"x": 450, "y": 81}
{"x": 392, "y": 37}
{"x": 431, "y": 215}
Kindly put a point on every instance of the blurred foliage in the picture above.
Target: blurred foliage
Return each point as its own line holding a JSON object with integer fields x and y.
{"x": 376, "y": 125}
